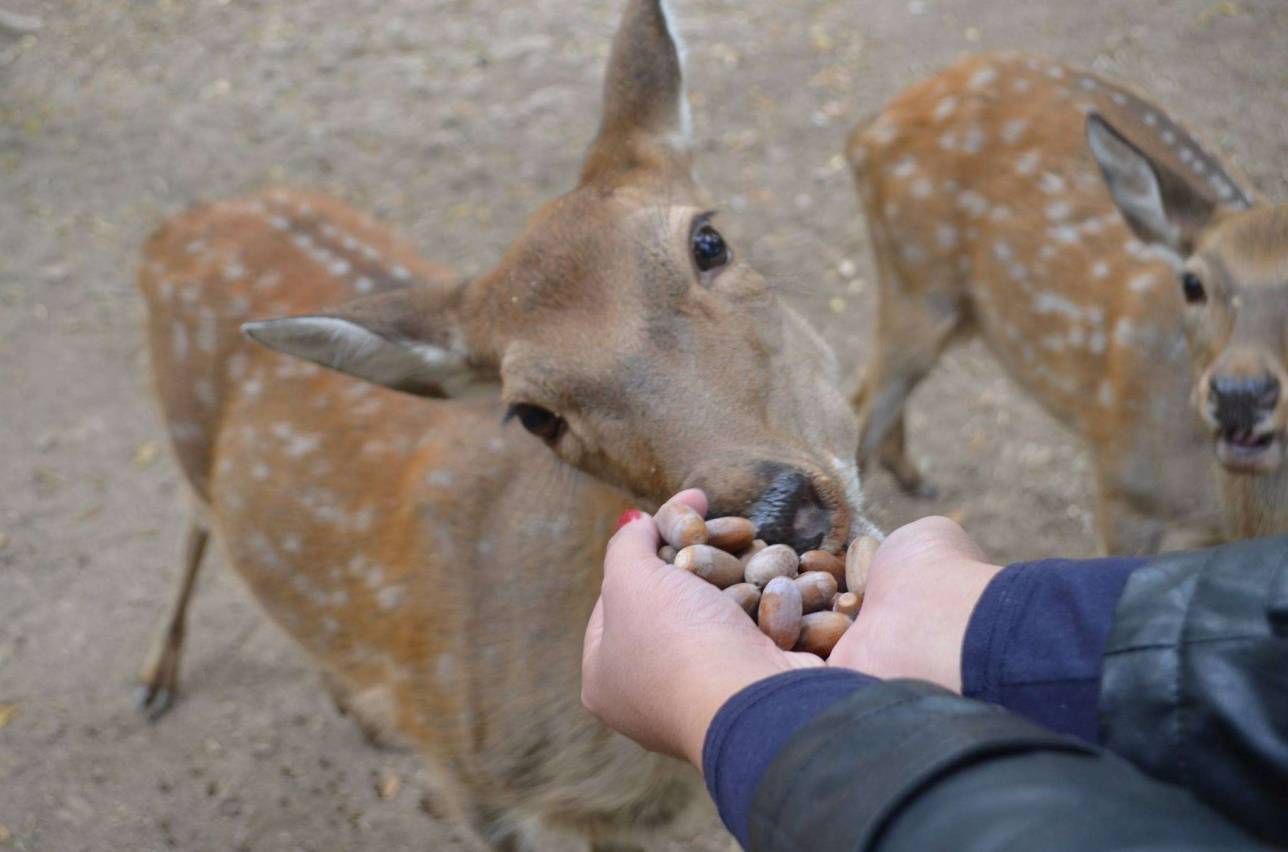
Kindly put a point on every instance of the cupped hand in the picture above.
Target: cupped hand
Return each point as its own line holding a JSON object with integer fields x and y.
{"x": 923, "y": 584}
{"x": 665, "y": 649}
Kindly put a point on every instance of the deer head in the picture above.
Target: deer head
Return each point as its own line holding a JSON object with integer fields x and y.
{"x": 1231, "y": 258}
{"x": 625, "y": 332}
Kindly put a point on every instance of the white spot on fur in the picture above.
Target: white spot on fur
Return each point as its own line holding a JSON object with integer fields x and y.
{"x": 883, "y": 131}
{"x": 363, "y": 284}
{"x": 972, "y": 202}
{"x": 982, "y": 77}
{"x": 945, "y": 236}
{"x": 179, "y": 340}
{"x": 1012, "y": 130}
{"x": 1051, "y": 183}
{"x": 1119, "y": 98}
{"x": 1021, "y": 85}
{"x": 945, "y": 108}
{"x": 1099, "y": 269}
{"x": 1142, "y": 283}
{"x": 391, "y": 597}
{"x": 921, "y": 187}
{"x": 1050, "y": 302}
{"x": 1027, "y": 164}
{"x": 207, "y": 332}
{"x": 1058, "y": 210}
{"x": 1066, "y": 234}
{"x": 1105, "y": 394}
{"x": 973, "y": 140}
{"x": 904, "y": 168}
{"x": 1124, "y": 332}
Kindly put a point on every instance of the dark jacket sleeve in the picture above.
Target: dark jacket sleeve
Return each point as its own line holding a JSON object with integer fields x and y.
{"x": 905, "y": 765}
{"x": 1195, "y": 682}
{"x": 1036, "y": 640}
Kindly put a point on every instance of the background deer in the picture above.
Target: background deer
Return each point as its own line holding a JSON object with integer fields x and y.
{"x": 437, "y": 562}
{"x": 988, "y": 213}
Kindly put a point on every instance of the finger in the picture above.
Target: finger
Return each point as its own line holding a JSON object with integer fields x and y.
{"x": 858, "y": 563}
{"x": 594, "y": 631}
{"x": 803, "y": 660}
{"x": 694, "y": 498}
{"x": 935, "y": 533}
{"x": 632, "y": 548}
{"x": 590, "y": 654}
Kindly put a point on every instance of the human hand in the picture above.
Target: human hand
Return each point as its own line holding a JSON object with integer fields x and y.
{"x": 922, "y": 587}
{"x": 665, "y": 649}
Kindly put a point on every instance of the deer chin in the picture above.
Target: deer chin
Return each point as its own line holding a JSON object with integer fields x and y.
{"x": 1251, "y": 452}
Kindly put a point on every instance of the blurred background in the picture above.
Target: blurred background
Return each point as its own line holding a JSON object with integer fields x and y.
{"x": 453, "y": 121}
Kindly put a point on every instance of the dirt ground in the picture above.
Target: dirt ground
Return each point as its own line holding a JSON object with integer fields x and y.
{"x": 451, "y": 119}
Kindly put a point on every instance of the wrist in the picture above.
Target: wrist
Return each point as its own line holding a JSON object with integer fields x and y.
{"x": 708, "y": 688}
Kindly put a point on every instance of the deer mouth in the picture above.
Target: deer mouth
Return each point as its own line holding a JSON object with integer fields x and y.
{"x": 1249, "y": 450}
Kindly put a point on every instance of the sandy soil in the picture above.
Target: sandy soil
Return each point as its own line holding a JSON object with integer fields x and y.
{"x": 451, "y": 119}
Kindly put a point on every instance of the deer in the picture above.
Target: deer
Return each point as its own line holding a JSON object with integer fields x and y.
{"x": 416, "y": 474}
{"x": 1117, "y": 270}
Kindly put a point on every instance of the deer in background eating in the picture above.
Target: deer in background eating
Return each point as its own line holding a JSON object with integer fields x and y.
{"x": 430, "y": 527}
{"x": 1085, "y": 236}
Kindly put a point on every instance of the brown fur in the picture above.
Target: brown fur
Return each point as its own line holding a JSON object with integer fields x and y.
{"x": 437, "y": 562}
{"x": 988, "y": 215}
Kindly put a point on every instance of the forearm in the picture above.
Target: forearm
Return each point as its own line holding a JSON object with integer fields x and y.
{"x": 906, "y": 765}
{"x": 751, "y": 728}
{"x": 1036, "y": 640}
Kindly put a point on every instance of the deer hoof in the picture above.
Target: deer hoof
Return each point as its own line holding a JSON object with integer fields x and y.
{"x": 153, "y": 700}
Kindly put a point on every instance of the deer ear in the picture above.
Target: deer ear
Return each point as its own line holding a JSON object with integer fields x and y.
{"x": 1161, "y": 206}
{"x": 646, "y": 121}
{"x": 410, "y": 340}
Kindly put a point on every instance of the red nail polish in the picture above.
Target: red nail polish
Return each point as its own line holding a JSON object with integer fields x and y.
{"x": 626, "y": 517}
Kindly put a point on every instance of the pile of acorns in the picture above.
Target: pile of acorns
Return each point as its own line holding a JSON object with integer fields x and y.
{"x": 803, "y": 603}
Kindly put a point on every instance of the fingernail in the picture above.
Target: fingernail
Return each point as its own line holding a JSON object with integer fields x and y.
{"x": 626, "y": 517}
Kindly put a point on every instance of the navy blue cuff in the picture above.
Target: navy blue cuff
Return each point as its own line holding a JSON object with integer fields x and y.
{"x": 751, "y": 727}
{"x": 1036, "y": 638}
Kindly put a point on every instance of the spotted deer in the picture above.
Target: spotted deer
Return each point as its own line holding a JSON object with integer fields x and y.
{"x": 1082, "y": 233}
{"x": 428, "y": 517}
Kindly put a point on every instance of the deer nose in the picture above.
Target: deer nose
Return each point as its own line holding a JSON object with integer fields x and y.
{"x": 790, "y": 512}
{"x": 1241, "y": 402}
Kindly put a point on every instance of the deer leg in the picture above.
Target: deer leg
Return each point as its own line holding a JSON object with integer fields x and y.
{"x": 493, "y": 827}
{"x": 1123, "y": 529}
{"x": 909, "y": 342}
{"x": 160, "y": 677}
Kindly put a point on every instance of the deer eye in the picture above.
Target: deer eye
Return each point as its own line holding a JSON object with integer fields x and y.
{"x": 546, "y": 425}
{"x": 709, "y": 249}
{"x": 1192, "y": 287}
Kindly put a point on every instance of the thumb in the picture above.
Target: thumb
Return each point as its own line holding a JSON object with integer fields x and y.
{"x": 594, "y": 634}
